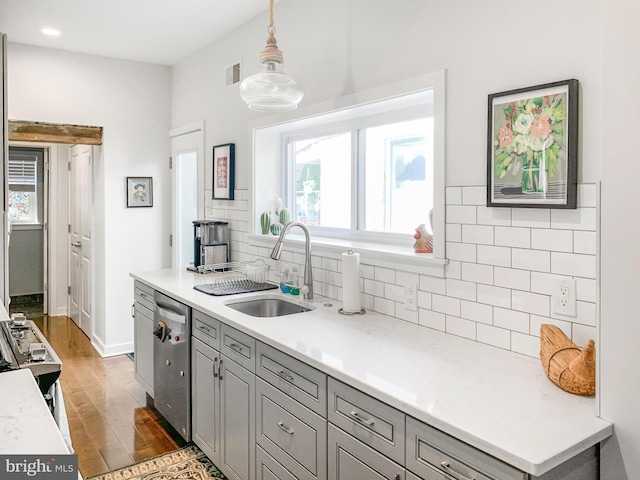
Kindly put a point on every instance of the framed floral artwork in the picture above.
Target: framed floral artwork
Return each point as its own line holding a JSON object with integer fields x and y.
{"x": 532, "y": 147}
{"x": 223, "y": 171}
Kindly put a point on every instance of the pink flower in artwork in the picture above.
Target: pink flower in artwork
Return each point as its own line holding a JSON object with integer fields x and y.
{"x": 506, "y": 137}
{"x": 540, "y": 126}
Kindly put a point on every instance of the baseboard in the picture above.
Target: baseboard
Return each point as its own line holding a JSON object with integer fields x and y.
{"x": 111, "y": 350}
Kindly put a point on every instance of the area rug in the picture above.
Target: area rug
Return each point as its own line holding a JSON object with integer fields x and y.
{"x": 188, "y": 463}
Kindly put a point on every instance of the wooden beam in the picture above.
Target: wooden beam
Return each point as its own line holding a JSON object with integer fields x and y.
{"x": 24, "y": 131}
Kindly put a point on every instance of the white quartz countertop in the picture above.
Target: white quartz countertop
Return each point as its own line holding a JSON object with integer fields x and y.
{"x": 495, "y": 400}
{"x": 26, "y": 424}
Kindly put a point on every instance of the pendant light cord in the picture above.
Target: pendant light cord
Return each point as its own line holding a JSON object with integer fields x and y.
{"x": 271, "y": 13}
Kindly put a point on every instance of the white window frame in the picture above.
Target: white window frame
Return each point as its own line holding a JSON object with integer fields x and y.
{"x": 379, "y": 249}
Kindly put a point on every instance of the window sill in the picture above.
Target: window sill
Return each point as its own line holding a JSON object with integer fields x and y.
{"x": 379, "y": 255}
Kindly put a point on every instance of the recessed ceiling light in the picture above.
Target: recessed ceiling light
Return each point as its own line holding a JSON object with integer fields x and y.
{"x": 51, "y": 32}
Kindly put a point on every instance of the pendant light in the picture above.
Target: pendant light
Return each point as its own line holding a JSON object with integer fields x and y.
{"x": 271, "y": 90}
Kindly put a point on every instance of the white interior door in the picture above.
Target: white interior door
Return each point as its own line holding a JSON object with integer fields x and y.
{"x": 4, "y": 155}
{"x": 80, "y": 217}
{"x": 187, "y": 189}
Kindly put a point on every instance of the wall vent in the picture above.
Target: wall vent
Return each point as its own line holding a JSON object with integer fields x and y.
{"x": 232, "y": 74}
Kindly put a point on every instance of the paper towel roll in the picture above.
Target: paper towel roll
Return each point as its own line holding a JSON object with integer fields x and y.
{"x": 351, "y": 282}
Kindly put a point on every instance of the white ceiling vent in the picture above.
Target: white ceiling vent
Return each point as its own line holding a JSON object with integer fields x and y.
{"x": 232, "y": 74}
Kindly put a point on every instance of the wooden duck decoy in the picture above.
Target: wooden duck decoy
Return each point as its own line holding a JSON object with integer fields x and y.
{"x": 570, "y": 368}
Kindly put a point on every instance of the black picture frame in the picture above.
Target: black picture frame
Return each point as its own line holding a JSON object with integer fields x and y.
{"x": 532, "y": 146}
{"x": 139, "y": 192}
{"x": 223, "y": 171}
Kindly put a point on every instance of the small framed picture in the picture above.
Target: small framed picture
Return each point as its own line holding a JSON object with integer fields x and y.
{"x": 532, "y": 146}
{"x": 223, "y": 171}
{"x": 139, "y": 192}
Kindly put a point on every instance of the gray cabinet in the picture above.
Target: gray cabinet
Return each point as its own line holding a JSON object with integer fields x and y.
{"x": 350, "y": 459}
{"x": 223, "y": 396}
{"x": 267, "y": 468}
{"x": 143, "y": 335}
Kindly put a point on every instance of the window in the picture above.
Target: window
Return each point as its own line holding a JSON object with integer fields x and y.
{"x": 23, "y": 199}
{"x": 365, "y": 168}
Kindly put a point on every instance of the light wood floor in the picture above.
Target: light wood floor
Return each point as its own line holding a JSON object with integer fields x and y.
{"x": 110, "y": 425}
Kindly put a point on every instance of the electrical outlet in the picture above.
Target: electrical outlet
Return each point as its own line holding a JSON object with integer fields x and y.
{"x": 410, "y": 297}
{"x": 564, "y": 298}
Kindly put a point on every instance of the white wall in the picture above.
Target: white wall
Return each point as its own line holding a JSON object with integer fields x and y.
{"x": 620, "y": 252}
{"x": 340, "y": 47}
{"x": 131, "y": 101}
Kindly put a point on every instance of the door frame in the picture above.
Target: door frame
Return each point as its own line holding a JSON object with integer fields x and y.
{"x": 201, "y": 179}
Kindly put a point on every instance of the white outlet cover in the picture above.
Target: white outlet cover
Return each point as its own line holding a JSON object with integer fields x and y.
{"x": 563, "y": 300}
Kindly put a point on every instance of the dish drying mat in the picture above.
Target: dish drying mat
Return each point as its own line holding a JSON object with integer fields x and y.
{"x": 231, "y": 278}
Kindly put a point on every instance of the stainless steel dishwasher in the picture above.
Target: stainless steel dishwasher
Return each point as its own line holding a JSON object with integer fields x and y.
{"x": 172, "y": 363}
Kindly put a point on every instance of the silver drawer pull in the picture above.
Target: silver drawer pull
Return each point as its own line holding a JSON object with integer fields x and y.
{"x": 204, "y": 329}
{"x": 143, "y": 295}
{"x": 236, "y": 347}
{"x": 285, "y": 375}
{"x": 284, "y": 428}
{"x": 357, "y": 416}
{"x": 215, "y": 368}
{"x": 453, "y": 473}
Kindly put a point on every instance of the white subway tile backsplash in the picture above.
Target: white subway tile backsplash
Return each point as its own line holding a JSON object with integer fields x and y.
{"x": 490, "y": 255}
{"x": 585, "y": 242}
{"x": 405, "y": 278}
{"x": 473, "y": 272}
{"x": 512, "y": 278}
{"x": 586, "y": 290}
{"x": 433, "y": 284}
{"x": 573, "y": 264}
{"x": 525, "y": 344}
{"x": 463, "y": 252}
{"x": 477, "y": 312}
{"x": 373, "y": 287}
{"x": 531, "y": 217}
{"x": 536, "y": 260}
{"x": 387, "y": 275}
{"x": 367, "y": 271}
{"x": 461, "y": 289}
{"x": 424, "y": 300}
{"x": 431, "y": 319}
{"x": 453, "y": 195}
{"x": 536, "y": 321}
{"x": 407, "y": 315}
{"x": 454, "y": 232}
{"x": 384, "y": 306}
{"x": 454, "y": 270}
{"x": 500, "y": 297}
{"x": 552, "y": 240}
{"x": 394, "y": 292}
{"x": 587, "y": 195}
{"x": 545, "y": 283}
{"x": 511, "y": 320}
{"x": 479, "y": 234}
{"x": 461, "y": 327}
{"x": 330, "y": 264}
{"x": 531, "y": 303}
{"x": 465, "y": 214}
{"x": 513, "y": 237}
{"x": 446, "y": 305}
{"x": 582, "y": 334}
{"x": 498, "y": 337}
{"x": 474, "y": 195}
{"x": 586, "y": 314}
{"x": 579, "y": 219}
{"x": 493, "y": 216}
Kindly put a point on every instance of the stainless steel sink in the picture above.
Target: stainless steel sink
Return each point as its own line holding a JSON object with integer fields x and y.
{"x": 267, "y": 307}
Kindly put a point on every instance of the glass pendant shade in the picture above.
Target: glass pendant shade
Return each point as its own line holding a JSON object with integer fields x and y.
{"x": 271, "y": 90}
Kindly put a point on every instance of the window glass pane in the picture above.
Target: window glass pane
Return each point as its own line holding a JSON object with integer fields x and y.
{"x": 398, "y": 166}
{"x": 23, "y": 207}
{"x": 322, "y": 168}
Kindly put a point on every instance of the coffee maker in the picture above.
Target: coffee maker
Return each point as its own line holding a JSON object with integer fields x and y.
{"x": 210, "y": 243}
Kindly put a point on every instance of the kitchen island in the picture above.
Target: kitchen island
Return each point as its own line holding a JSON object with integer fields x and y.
{"x": 499, "y": 402}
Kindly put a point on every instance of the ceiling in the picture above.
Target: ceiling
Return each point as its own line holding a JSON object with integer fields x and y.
{"x": 154, "y": 31}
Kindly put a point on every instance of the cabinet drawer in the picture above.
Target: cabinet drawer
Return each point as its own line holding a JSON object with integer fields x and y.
{"x": 428, "y": 447}
{"x": 206, "y": 329}
{"x": 350, "y": 459}
{"x": 369, "y": 420}
{"x": 291, "y": 433}
{"x": 295, "y": 378}
{"x": 269, "y": 469}
{"x": 239, "y": 347}
{"x": 144, "y": 295}
{"x": 143, "y": 311}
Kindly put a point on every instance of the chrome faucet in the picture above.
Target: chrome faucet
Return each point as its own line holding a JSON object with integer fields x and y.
{"x": 307, "y": 290}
